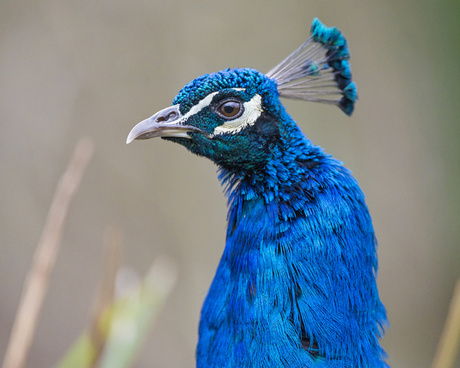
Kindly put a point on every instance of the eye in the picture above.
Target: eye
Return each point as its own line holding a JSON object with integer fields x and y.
{"x": 230, "y": 109}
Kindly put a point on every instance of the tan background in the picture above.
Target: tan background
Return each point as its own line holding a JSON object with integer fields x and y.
{"x": 95, "y": 68}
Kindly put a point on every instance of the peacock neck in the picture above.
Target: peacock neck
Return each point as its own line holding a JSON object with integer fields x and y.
{"x": 297, "y": 272}
{"x": 291, "y": 162}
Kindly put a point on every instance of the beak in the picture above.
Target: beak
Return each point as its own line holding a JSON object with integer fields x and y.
{"x": 168, "y": 122}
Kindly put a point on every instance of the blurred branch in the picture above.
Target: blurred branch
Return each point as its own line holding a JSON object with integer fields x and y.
{"x": 449, "y": 343}
{"x": 119, "y": 329}
{"x": 37, "y": 280}
{"x": 105, "y": 295}
{"x": 132, "y": 315}
{"x": 87, "y": 350}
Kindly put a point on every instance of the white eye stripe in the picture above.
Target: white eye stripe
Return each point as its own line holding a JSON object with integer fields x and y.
{"x": 252, "y": 111}
{"x": 203, "y": 103}
{"x": 199, "y": 106}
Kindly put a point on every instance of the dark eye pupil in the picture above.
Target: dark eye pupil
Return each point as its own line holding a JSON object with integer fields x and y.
{"x": 230, "y": 109}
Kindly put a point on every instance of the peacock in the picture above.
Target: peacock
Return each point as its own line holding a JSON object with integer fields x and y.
{"x": 296, "y": 284}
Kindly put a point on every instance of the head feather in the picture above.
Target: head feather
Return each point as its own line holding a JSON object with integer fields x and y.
{"x": 318, "y": 70}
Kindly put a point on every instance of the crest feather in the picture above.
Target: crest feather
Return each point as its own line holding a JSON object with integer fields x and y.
{"x": 318, "y": 70}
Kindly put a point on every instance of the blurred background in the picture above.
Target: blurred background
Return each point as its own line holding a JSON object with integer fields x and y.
{"x": 95, "y": 68}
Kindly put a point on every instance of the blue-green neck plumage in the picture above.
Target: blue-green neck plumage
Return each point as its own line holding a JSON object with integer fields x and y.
{"x": 295, "y": 286}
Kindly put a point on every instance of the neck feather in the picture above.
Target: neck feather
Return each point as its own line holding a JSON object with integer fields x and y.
{"x": 297, "y": 277}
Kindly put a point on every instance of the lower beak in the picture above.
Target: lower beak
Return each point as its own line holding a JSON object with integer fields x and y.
{"x": 168, "y": 122}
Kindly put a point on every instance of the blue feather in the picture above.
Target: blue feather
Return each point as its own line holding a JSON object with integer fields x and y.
{"x": 299, "y": 262}
{"x": 295, "y": 286}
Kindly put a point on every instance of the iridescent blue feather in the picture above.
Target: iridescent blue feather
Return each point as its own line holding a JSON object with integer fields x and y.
{"x": 295, "y": 286}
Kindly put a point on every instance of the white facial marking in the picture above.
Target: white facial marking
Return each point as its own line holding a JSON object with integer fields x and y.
{"x": 252, "y": 111}
{"x": 199, "y": 106}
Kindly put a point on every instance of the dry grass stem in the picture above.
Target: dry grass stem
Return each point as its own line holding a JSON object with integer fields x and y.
{"x": 449, "y": 343}
{"x": 37, "y": 280}
{"x": 106, "y": 290}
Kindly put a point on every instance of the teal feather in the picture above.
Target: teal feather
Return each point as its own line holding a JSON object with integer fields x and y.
{"x": 295, "y": 286}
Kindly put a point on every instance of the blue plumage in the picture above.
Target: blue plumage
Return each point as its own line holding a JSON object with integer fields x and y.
{"x": 296, "y": 283}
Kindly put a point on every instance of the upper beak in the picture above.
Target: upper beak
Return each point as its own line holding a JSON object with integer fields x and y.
{"x": 168, "y": 122}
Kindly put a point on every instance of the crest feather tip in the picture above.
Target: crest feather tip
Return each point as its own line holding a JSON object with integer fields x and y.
{"x": 318, "y": 70}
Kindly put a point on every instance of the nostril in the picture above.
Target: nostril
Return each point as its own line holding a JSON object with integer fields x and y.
{"x": 167, "y": 117}
{"x": 172, "y": 116}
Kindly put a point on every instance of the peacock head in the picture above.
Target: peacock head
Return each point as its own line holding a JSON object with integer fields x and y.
{"x": 234, "y": 116}
{"x": 230, "y": 116}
